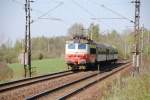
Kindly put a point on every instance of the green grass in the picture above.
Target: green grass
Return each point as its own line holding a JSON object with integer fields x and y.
{"x": 44, "y": 66}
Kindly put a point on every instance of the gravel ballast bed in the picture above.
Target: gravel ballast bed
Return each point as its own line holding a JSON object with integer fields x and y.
{"x": 96, "y": 91}
{"x": 22, "y": 93}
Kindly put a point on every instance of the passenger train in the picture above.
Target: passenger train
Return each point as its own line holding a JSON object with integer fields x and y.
{"x": 84, "y": 52}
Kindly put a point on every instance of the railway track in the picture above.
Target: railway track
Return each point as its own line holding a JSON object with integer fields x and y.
{"x": 27, "y": 81}
{"x": 23, "y": 89}
{"x": 70, "y": 89}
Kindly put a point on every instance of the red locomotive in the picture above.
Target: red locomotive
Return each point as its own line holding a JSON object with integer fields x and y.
{"x": 81, "y": 51}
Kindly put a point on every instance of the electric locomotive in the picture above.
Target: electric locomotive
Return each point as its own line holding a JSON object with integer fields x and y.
{"x": 85, "y": 53}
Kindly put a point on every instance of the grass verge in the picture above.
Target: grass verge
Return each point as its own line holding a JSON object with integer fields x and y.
{"x": 41, "y": 67}
{"x": 131, "y": 88}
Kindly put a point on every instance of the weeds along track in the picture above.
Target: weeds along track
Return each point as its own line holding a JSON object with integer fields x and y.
{"x": 22, "y": 88}
{"x": 70, "y": 89}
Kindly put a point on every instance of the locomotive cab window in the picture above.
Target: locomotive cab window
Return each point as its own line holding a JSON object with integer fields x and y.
{"x": 92, "y": 50}
{"x": 82, "y": 46}
{"x": 71, "y": 46}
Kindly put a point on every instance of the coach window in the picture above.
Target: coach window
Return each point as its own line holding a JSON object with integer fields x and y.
{"x": 92, "y": 51}
{"x": 82, "y": 46}
{"x": 71, "y": 46}
{"x": 100, "y": 51}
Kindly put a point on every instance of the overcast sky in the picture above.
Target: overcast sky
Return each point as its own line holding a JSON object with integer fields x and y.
{"x": 12, "y": 16}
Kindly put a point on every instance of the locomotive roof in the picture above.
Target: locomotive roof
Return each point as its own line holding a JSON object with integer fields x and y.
{"x": 80, "y": 41}
{"x": 100, "y": 45}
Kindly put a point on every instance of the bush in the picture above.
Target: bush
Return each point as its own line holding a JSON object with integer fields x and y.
{"x": 6, "y": 73}
{"x": 40, "y": 56}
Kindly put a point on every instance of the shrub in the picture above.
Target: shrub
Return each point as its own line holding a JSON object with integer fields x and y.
{"x": 40, "y": 57}
{"x": 6, "y": 73}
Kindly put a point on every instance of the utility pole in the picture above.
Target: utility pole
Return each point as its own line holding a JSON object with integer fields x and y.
{"x": 142, "y": 45}
{"x": 86, "y": 32}
{"x": 136, "y": 52}
{"x": 148, "y": 37}
{"x": 91, "y": 35}
{"x": 25, "y": 42}
{"x": 27, "y": 45}
{"x": 148, "y": 43}
{"x": 125, "y": 48}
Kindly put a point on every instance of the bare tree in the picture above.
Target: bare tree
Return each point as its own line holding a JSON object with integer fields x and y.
{"x": 76, "y": 29}
{"x": 2, "y": 38}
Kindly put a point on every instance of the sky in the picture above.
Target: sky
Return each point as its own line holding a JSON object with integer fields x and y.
{"x": 12, "y": 16}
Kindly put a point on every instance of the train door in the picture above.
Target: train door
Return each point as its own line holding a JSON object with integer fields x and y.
{"x": 107, "y": 55}
{"x": 92, "y": 50}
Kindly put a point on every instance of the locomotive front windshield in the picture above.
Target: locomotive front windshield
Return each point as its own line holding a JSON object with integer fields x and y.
{"x": 81, "y": 46}
{"x": 71, "y": 46}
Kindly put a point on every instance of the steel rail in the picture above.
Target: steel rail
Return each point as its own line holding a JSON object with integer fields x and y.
{"x": 58, "y": 88}
{"x": 74, "y": 82}
{"x": 92, "y": 83}
{"x": 32, "y": 80}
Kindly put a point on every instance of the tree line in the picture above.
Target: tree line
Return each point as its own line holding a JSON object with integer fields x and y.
{"x": 53, "y": 47}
